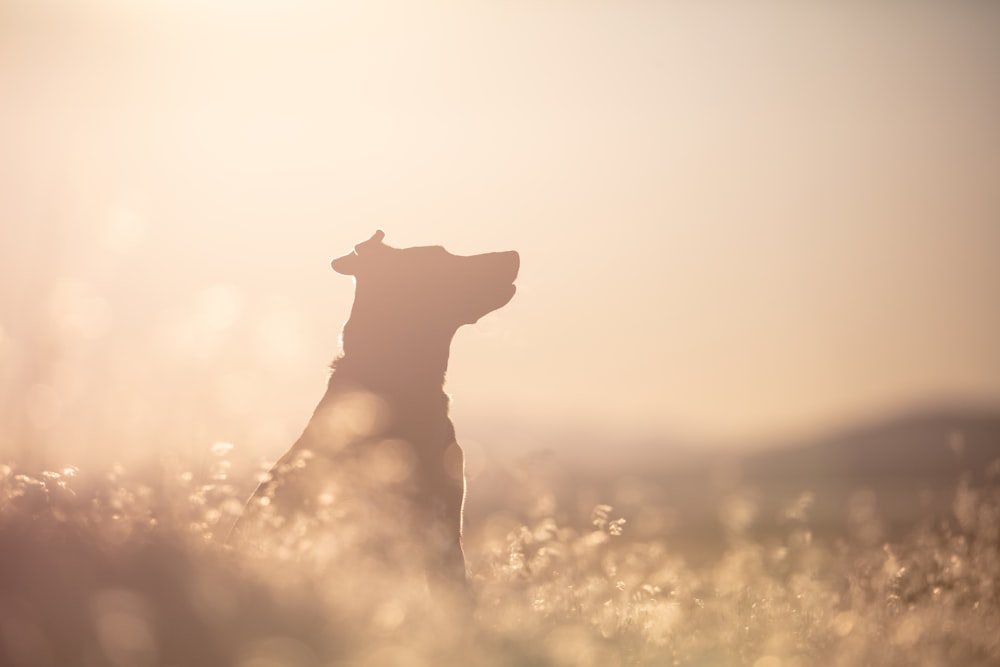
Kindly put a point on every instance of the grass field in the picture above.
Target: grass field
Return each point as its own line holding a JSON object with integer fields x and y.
{"x": 129, "y": 567}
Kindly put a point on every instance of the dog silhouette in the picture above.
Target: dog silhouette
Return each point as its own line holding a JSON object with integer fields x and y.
{"x": 377, "y": 475}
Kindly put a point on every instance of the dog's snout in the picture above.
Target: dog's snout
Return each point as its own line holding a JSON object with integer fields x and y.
{"x": 508, "y": 264}
{"x": 496, "y": 266}
{"x": 515, "y": 263}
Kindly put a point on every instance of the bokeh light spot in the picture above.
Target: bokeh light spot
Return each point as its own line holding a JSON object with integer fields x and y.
{"x": 124, "y": 628}
{"x": 42, "y": 406}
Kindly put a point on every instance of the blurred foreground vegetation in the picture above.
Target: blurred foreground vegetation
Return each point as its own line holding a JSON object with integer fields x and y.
{"x": 129, "y": 567}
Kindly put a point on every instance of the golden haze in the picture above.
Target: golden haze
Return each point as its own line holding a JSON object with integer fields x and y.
{"x": 735, "y": 222}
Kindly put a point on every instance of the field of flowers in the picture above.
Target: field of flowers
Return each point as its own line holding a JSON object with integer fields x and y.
{"x": 130, "y": 568}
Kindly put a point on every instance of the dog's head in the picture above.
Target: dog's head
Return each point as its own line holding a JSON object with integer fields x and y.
{"x": 428, "y": 284}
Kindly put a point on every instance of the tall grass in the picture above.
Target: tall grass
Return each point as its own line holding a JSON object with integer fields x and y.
{"x": 130, "y": 567}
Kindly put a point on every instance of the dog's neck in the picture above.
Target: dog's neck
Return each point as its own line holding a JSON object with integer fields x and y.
{"x": 401, "y": 363}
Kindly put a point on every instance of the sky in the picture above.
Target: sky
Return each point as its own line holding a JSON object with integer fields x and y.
{"x": 737, "y": 221}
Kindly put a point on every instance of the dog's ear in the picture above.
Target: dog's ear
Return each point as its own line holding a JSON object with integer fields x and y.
{"x": 350, "y": 263}
{"x": 372, "y": 243}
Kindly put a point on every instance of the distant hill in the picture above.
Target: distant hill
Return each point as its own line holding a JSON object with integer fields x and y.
{"x": 880, "y": 478}
{"x": 920, "y": 446}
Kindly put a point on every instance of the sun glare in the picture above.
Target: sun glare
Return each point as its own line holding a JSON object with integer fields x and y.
{"x": 742, "y": 409}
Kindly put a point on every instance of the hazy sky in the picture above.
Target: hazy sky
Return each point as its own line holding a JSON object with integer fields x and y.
{"x": 736, "y": 220}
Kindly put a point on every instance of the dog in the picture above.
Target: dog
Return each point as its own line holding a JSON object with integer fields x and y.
{"x": 377, "y": 475}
